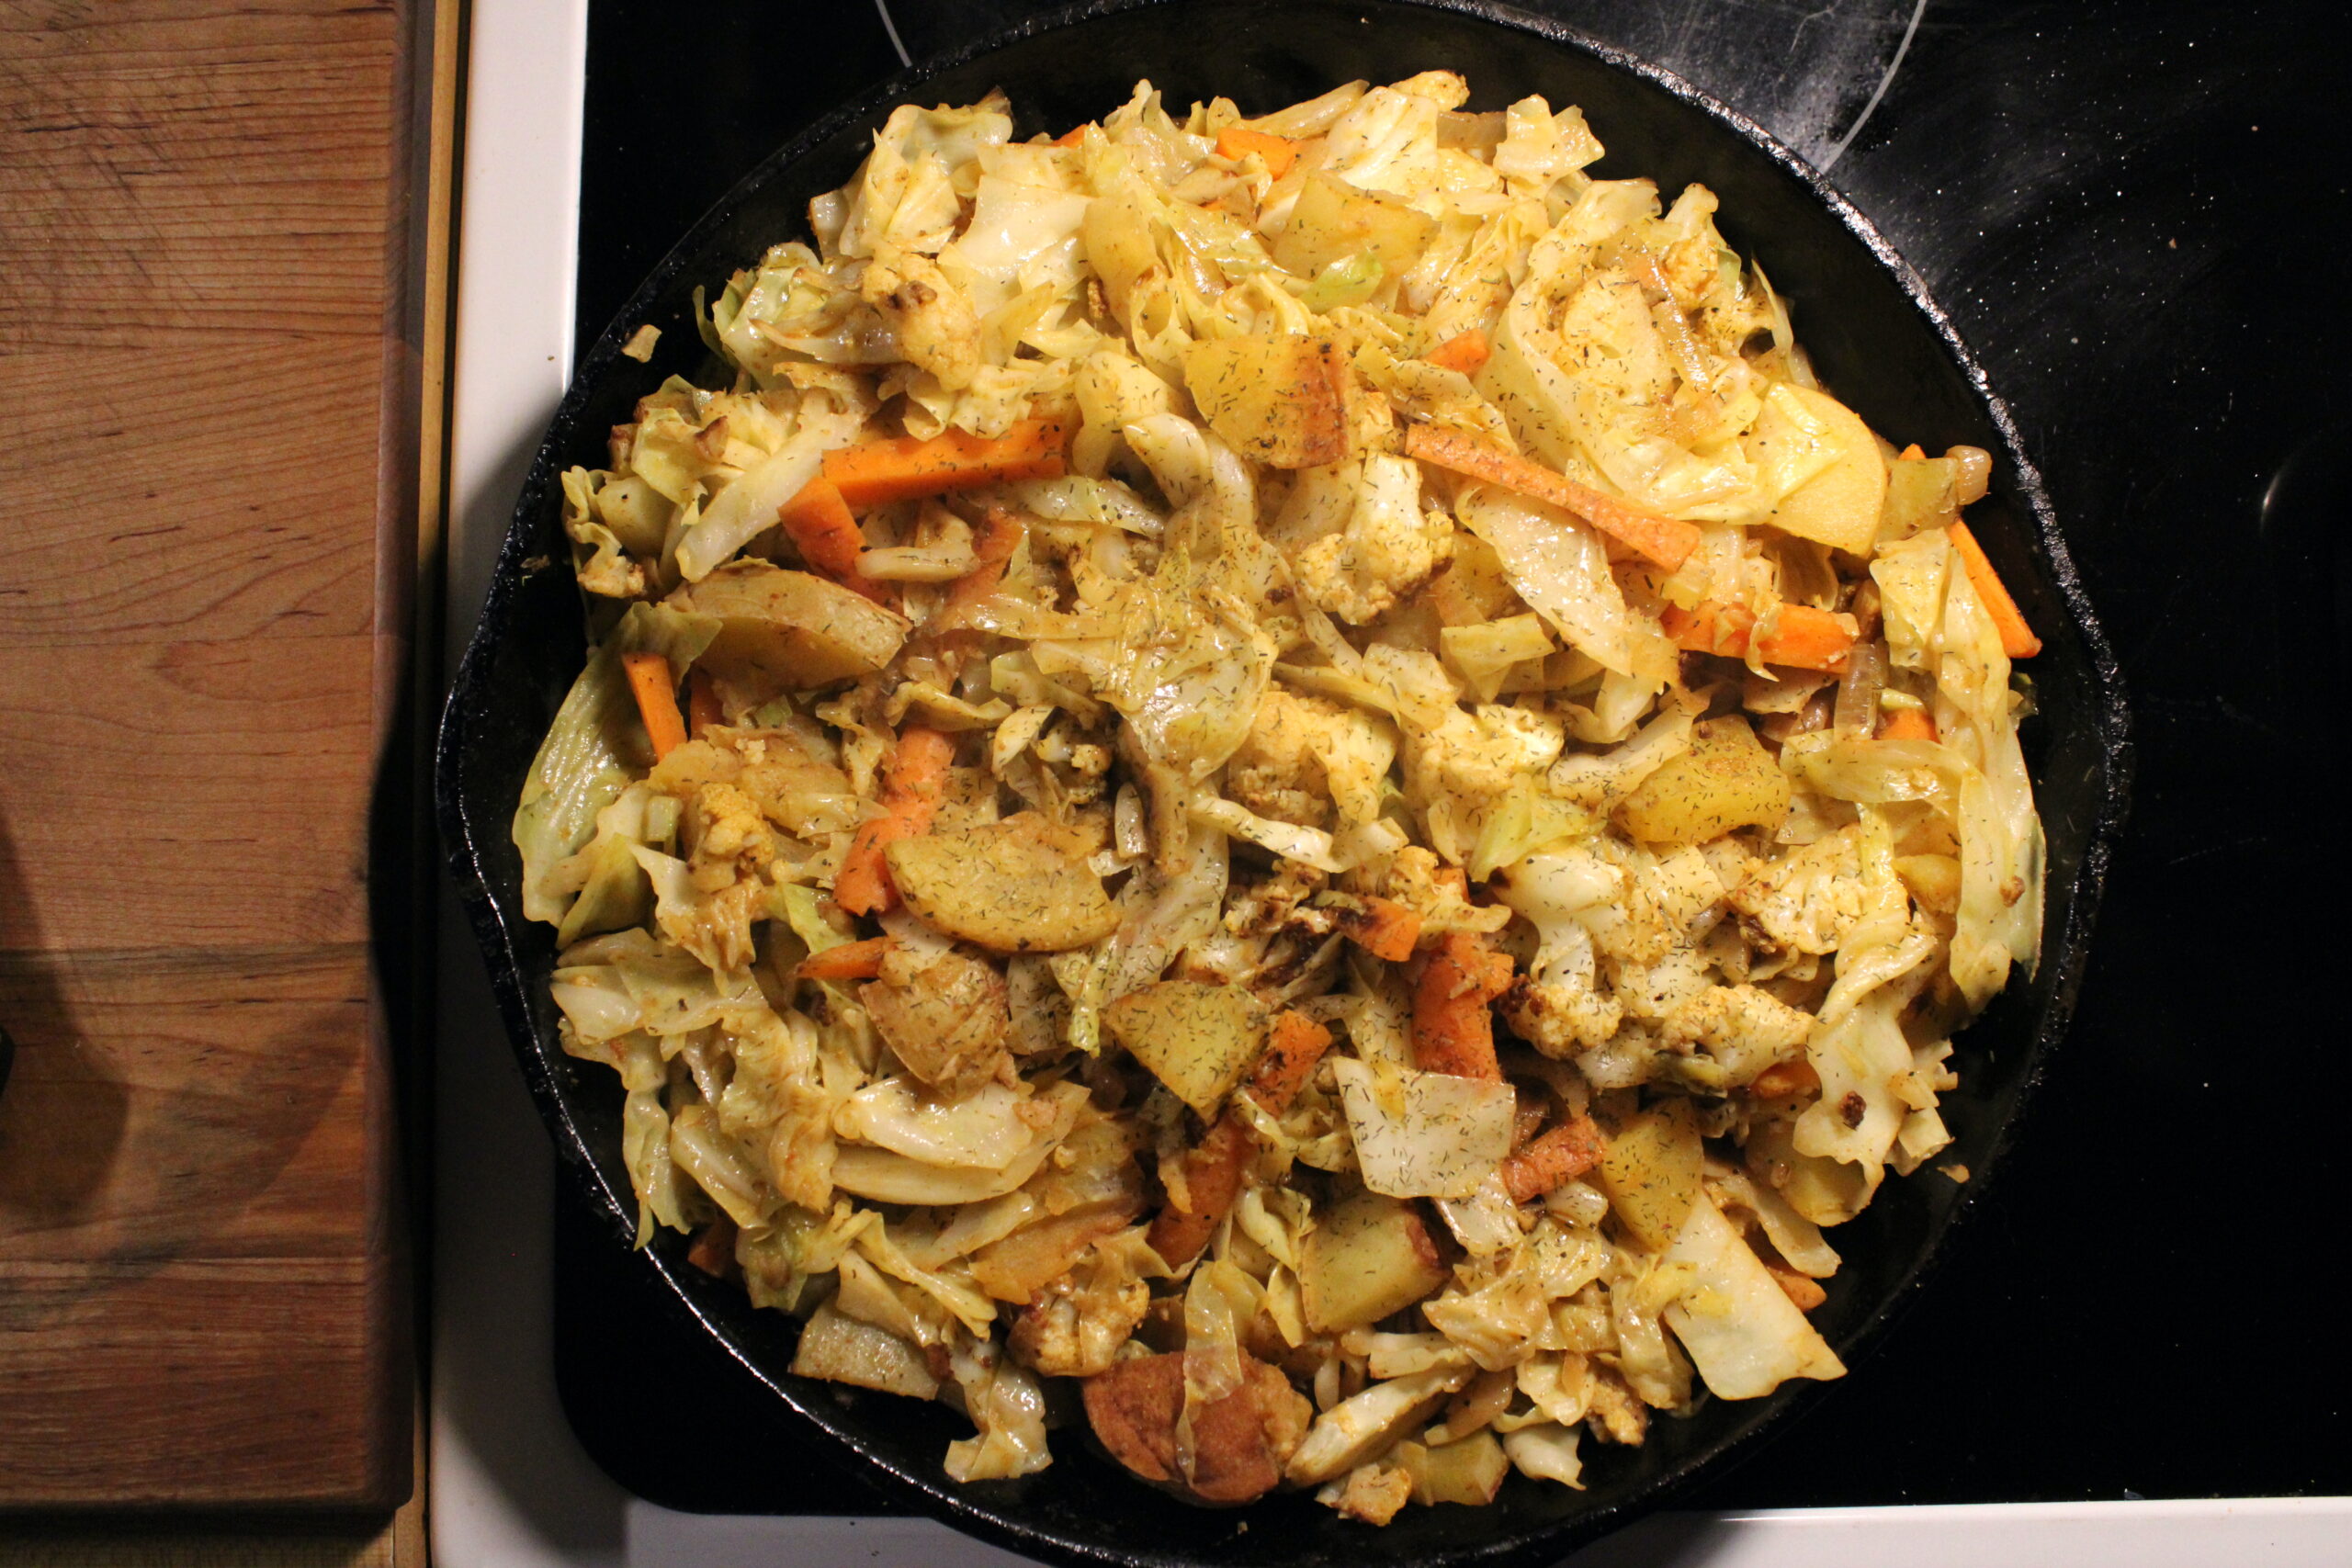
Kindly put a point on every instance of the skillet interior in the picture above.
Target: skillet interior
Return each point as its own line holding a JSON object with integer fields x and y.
{"x": 1877, "y": 340}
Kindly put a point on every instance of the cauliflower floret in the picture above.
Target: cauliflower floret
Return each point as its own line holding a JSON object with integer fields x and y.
{"x": 1371, "y": 1492}
{"x": 1744, "y": 1029}
{"x": 1075, "y": 1326}
{"x": 1439, "y": 895}
{"x": 729, "y": 838}
{"x": 1810, "y": 898}
{"x": 1304, "y": 754}
{"x": 1457, "y": 769}
{"x": 1560, "y": 1018}
{"x": 938, "y": 329}
{"x": 1389, "y": 547}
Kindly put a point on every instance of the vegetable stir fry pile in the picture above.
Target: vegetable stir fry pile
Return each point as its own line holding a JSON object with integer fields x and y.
{"x": 1281, "y": 787}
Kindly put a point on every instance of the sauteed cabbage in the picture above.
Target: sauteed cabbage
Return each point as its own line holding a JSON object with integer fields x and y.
{"x": 1281, "y": 786}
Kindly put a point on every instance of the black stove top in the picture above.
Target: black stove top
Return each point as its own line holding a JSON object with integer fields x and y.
{"x": 2136, "y": 211}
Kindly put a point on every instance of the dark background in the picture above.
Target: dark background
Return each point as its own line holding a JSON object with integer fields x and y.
{"x": 2136, "y": 215}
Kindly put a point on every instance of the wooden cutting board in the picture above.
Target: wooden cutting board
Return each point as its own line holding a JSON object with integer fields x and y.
{"x": 206, "y": 500}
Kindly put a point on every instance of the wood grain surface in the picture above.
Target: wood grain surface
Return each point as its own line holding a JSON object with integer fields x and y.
{"x": 208, "y": 375}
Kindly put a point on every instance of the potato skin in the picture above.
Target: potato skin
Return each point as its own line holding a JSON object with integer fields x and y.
{"x": 1726, "y": 781}
{"x": 1239, "y": 1443}
{"x": 1008, "y": 886}
{"x": 789, "y": 631}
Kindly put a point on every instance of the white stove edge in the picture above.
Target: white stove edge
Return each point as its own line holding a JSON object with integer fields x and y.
{"x": 511, "y": 1485}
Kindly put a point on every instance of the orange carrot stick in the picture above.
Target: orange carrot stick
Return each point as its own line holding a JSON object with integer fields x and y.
{"x": 1293, "y": 1047}
{"x": 1906, "y": 724}
{"x": 1465, "y": 352}
{"x": 1382, "y": 928}
{"x": 2017, "y": 639}
{"x": 850, "y": 961}
{"x": 1668, "y": 541}
{"x": 1454, "y": 1028}
{"x": 902, "y": 468}
{"x": 1910, "y": 453}
{"x": 1801, "y": 636}
{"x": 1072, "y": 137}
{"x": 913, "y": 782}
{"x": 1213, "y": 1170}
{"x": 657, "y": 701}
{"x": 703, "y": 711}
{"x": 819, "y": 524}
{"x": 1562, "y": 1154}
{"x": 1279, "y": 152}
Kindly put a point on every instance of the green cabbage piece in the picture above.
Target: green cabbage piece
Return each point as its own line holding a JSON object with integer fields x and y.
{"x": 595, "y": 748}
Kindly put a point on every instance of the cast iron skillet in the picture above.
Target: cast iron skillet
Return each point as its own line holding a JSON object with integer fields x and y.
{"x": 1876, "y": 338}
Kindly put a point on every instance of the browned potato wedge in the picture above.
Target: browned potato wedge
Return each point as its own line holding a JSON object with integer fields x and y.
{"x": 1239, "y": 1443}
{"x": 944, "y": 1015}
{"x": 1333, "y": 220}
{"x": 1009, "y": 886}
{"x": 789, "y": 631}
{"x": 1724, "y": 781}
{"x": 1279, "y": 399}
{"x": 1469, "y": 1471}
{"x": 1196, "y": 1039}
{"x": 1651, "y": 1172}
{"x": 1368, "y": 1257}
{"x": 838, "y": 1348}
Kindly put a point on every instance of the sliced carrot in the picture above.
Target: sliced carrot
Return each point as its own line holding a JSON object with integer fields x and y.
{"x": 1073, "y": 136}
{"x": 1783, "y": 1080}
{"x": 1213, "y": 1170}
{"x": 1910, "y": 453}
{"x": 714, "y": 1248}
{"x": 703, "y": 711}
{"x": 657, "y": 701}
{"x": 1453, "y": 1026}
{"x": 1293, "y": 1045}
{"x": 821, "y": 526}
{"x": 1906, "y": 724}
{"x": 2017, "y": 639}
{"x": 850, "y": 961}
{"x": 913, "y": 783}
{"x": 1801, "y": 637}
{"x": 1560, "y": 1156}
{"x": 901, "y": 468}
{"x": 1668, "y": 541}
{"x": 1465, "y": 352}
{"x": 1382, "y": 928}
{"x": 1279, "y": 152}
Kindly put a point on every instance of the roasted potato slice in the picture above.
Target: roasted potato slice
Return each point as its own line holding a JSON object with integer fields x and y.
{"x": 1196, "y": 1039}
{"x": 1018, "y": 886}
{"x": 1281, "y": 398}
{"x": 1726, "y": 781}
{"x": 789, "y": 631}
{"x": 1367, "y": 1257}
{"x": 1239, "y": 1443}
{"x": 1651, "y": 1172}
{"x": 838, "y": 1348}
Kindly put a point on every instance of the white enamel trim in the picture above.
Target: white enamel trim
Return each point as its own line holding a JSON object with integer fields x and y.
{"x": 510, "y": 1486}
